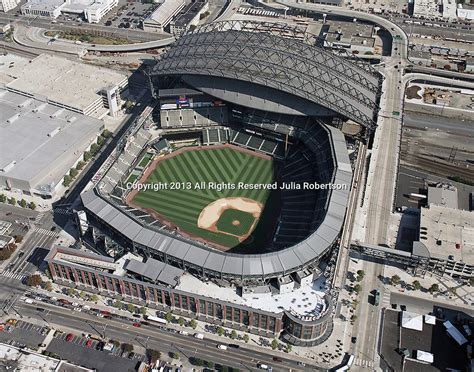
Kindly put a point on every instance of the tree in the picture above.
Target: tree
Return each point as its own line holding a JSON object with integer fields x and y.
{"x": 360, "y": 274}
{"x": 169, "y": 317}
{"x": 80, "y": 165}
{"x": 6, "y": 252}
{"x": 117, "y": 304}
{"x": 357, "y": 288}
{"x": 94, "y": 298}
{"x": 210, "y": 364}
{"x": 196, "y": 361}
{"x": 94, "y": 148}
{"x": 18, "y": 239}
{"x": 353, "y": 318}
{"x": 233, "y": 334}
{"x": 106, "y": 133}
{"x": 82, "y": 294}
{"x": 471, "y": 282}
{"x": 130, "y": 307}
{"x": 67, "y": 180}
{"x": 416, "y": 285}
{"x": 173, "y": 355}
{"x": 34, "y": 280}
{"x": 73, "y": 172}
{"x": 395, "y": 280}
{"x": 12, "y": 201}
{"x": 71, "y": 292}
{"x": 115, "y": 343}
{"x": 220, "y": 331}
{"x": 143, "y": 310}
{"x": 32, "y": 206}
{"x": 274, "y": 344}
{"x": 3, "y": 198}
{"x": 246, "y": 338}
{"x": 23, "y": 203}
{"x": 181, "y": 321}
{"x": 100, "y": 140}
{"x": 153, "y": 355}
{"x": 127, "y": 348}
{"x": 193, "y": 324}
{"x": 87, "y": 156}
{"x": 48, "y": 285}
{"x": 288, "y": 348}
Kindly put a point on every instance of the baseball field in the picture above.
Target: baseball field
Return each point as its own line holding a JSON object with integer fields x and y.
{"x": 232, "y": 218}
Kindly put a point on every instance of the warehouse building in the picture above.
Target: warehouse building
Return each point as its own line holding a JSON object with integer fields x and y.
{"x": 40, "y": 143}
{"x": 163, "y": 15}
{"x": 84, "y": 89}
{"x": 92, "y": 10}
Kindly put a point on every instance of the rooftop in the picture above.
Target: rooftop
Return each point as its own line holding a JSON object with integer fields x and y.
{"x": 47, "y": 5}
{"x": 443, "y": 195}
{"x": 41, "y": 142}
{"x": 304, "y": 301}
{"x": 61, "y": 80}
{"x": 189, "y": 12}
{"x": 453, "y": 228}
{"x": 165, "y": 11}
{"x": 432, "y": 339}
{"x": 19, "y": 360}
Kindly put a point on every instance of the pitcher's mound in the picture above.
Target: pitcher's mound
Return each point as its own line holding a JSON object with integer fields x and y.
{"x": 235, "y": 222}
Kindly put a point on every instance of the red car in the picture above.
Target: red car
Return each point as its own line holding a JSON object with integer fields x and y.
{"x": 69, "y": 337}
{"x": 137, "y": 324}
{"x": 89, "y": 343}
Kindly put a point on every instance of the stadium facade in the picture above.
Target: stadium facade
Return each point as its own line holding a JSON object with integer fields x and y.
{"x": 269, "y": 88}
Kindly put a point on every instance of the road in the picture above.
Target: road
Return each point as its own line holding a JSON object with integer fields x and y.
{"x": 424, "y": 121}
{"x": 152, "y": 337}
{"x": 45, "y": 23}
{"x": 380, "y": 189}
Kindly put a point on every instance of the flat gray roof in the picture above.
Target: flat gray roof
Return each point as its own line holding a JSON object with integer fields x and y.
{"x": 228, "y": 264}
{"x": 40, "y": 142}
{"x": 61, "y": 80}
{"x": 155, "y": 270}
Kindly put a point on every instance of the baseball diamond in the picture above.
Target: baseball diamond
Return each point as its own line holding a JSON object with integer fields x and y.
{"x": 184, "y": 207}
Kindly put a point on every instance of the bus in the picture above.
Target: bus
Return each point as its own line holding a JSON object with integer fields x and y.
{"x": 156, "y": 319}
{"x": 377, "y": 297}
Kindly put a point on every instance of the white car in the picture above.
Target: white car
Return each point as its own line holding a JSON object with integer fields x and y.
{"x": 100, "y": 315}
{"x": 222, "y": 347}
{"x": 78, "y": 309}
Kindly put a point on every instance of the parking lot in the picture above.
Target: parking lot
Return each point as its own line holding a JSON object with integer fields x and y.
{"x": 128, "y": 15}
{"x": 75, "y": 348}
{"x": 83, "y": 351}
{"x": 23, "y": 334}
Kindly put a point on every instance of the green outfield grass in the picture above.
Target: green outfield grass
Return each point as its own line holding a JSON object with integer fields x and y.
{"x": 182, "y": 207}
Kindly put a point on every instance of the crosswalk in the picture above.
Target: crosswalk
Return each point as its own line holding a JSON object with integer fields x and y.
{"x": 39, "y": 217}
{"x": 10, "y": 274}
{"x": 385, "y": 302}
{"x": 363, "y": 363}
{"x": 45, "y": 232}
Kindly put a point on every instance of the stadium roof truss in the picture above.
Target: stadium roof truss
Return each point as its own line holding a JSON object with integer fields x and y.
{"x": 277, "y": 56}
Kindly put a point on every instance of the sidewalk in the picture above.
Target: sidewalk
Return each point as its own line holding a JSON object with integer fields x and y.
{"x": 313, "y": 355}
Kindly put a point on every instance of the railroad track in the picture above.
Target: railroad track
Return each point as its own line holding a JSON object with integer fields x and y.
{"x": 438, "y": 168}
{"x": 17, "y": 50}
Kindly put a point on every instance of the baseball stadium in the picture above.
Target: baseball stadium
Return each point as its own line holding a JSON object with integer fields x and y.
{"x": 244, "y": 181}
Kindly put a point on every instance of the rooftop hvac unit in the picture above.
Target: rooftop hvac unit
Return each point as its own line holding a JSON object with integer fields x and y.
{"x": 25, "y": 103}
{"x": 72, "y": 119}
{"x": 56, "y": 114}
{"x": 54, "y": 132}
{"x": 39, "y": 108}
{"x": 8, "y": 167}
{"x": 13, "y": 118}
